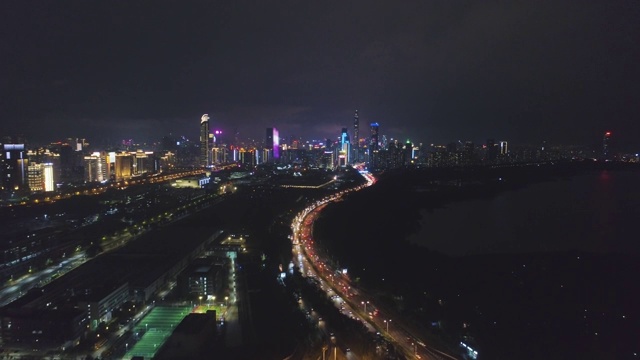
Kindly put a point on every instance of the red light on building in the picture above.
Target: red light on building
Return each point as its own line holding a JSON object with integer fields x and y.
{"x": 608, "y": 133}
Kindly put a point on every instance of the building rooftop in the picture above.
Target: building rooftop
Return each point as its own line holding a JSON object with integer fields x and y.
{"x": 139, "y": 263}
{"x": 194, "y": 323}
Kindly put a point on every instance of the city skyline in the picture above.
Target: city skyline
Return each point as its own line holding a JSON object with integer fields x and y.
{"x": 215, "y": 134}
{"x": 289, "y": 180}
{"x": 524, "y": 72}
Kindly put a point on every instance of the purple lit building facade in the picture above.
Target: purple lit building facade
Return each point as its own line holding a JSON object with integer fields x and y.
{"x": 272, "y": 142}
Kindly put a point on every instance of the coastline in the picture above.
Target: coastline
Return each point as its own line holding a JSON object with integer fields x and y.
{"x": 479, "y": 289}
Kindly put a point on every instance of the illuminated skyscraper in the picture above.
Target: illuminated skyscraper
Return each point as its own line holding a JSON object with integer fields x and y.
{"x": 123, "y": 166}
{"x": 49, "y": 184}
{"x": 41, "y": 177}
{"x": 356, "y": 138}
{"x": 92, "y": 169}
{"x": 36, "y": 177}
{"x": 374, "y": 140}
{"x": 272, "y": 142}
{"x": 503, "y": 148}
{"x": 204, "y": 140}
{"x": 345, "y": 148}
{"x": 14, "y": 164}
{"x": 96, "y": 167}
{"x": 606, "y": 145}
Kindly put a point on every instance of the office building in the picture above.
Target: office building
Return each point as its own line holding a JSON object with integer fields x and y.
{"x": 204, "y": 140}
{"x": 374, "y": 139}
{"x": 123, "y": 166}
{"x": 345, "y": 148}
{"x": 356, "y": 138}
{"x": 374, "y": 142}
{"x": 200, "y": 279}
{"x": 272, "y": 143}
{"x": 102, "y": 301}
{"x": 35, "y": 175}
{"x": 14, "y": 164}
{"x": 40, "y": 177}
{"x": 96, "y": 167}
{"x": 606, "y": 145}
{"x": 503, "y": 148}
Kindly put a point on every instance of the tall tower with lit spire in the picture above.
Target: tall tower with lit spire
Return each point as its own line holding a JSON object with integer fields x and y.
{"x": 204, "y": 140}
{"x": 356, "y": 138}
{"x": 606, "y": 145}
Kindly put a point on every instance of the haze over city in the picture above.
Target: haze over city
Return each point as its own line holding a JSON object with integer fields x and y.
{"x": 527, "y": 71}
{"x": 302, "y": 180}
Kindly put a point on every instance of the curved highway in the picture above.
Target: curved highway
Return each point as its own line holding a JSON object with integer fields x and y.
{"x": 353, "y": 301}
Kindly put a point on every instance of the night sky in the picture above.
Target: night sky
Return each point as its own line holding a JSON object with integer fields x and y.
{"x": 431, "y": 71}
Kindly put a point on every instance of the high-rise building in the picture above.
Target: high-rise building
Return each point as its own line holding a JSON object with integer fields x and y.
{"x": 123, "y": 166}
{"x": 41, "y": 177}
{"x": 144, "y": 162}
{"x": 374, "y": 139}
{"x": 92, "y": 168}
{"x": 356, "y": 137}
{"x": 345, "y": 148}
{"x": 491, "y": 151}
{"x": 272, "y": 142}
{"x": 96, "y": 167}
{"x": 71, "y": 167}
{"x": 49, "y": 177}
{"x": 36, "y": 177}
{"x": 503, "y": 148}
{"x": 204, "y": 140}
{"x": 408, "y": 153}
{"x": 344, "y": 137}
{"x": 606, "y": 145}
{"x": 14, "y": 164}
{"x": 374, "y": 142}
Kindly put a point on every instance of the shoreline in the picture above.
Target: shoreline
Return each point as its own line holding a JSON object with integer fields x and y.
{"x": 512, "y": 289}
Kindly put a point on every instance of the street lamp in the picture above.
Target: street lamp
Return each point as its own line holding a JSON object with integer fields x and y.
{"x": 200, "y": 298}
{"x": 387, "y": 322}
{"x": 365, "y": 306}
{"x": 226, "y": 301}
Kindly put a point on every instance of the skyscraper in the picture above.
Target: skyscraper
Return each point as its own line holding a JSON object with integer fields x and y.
{"x": 123, "y": 166}
{"x": 204, "y": 140}
{"x": 345, "y": 148}
{"x": 49, "y": 178}
{"x": 14, "y": 164}
{"x": 374, "y": 140}
{"x": 36, "y": 177}
{"x": 272, "y": 142}
{"x": 503, "y": 148}
{"x": 373, "y": 146}
{"x": 356, "y": 138}
{"x": 606, "y": 145}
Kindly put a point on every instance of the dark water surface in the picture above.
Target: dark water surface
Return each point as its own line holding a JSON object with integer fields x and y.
{"x": 596, "y": 212}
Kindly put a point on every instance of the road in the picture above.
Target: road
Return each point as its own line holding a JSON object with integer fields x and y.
{"x": 353, "y": 301}
{"x": 14, "y": 289}
{"x": 99, "y": 188}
